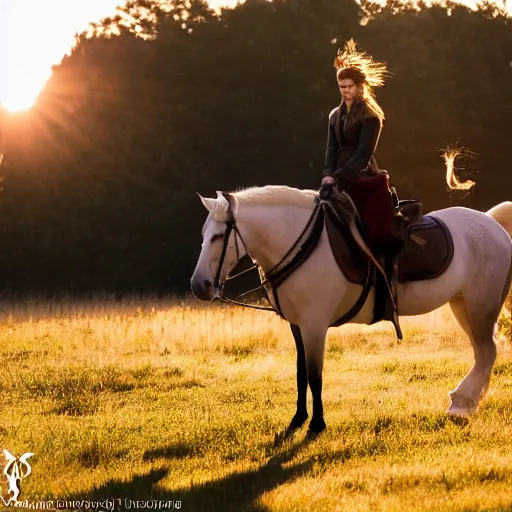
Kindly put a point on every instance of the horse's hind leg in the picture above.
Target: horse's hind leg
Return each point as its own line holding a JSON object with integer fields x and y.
{"x": 477, "y": 317}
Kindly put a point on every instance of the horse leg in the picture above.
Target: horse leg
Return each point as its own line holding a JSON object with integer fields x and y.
{"x": 477, "y": 318}
{"x": 314, "y": 348}
{"x": 301, "y": 415}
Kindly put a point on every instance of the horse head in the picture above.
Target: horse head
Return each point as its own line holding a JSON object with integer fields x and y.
{"x": 220, "y": 250}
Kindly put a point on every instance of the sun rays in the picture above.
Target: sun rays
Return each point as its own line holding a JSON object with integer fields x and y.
{"x": 35, "y": 35}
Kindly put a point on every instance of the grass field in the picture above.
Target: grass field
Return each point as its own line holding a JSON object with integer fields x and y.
{"x": 168, "y": 401}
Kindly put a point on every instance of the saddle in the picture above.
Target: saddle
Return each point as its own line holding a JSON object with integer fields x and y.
{"x": 423, "y": 250}
{"x": 427, "y": 253}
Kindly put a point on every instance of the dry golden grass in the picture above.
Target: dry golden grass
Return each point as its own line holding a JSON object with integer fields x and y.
{"x": 153, "y": 399}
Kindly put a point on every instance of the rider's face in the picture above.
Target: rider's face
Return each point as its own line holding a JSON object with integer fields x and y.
{"x": 348, "y": 89}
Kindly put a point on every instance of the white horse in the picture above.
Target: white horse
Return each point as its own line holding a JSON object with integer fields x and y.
{"x": 269, "y": 220}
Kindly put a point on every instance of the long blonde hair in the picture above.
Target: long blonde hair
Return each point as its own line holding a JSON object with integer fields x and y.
{"x": 364, "y": 71}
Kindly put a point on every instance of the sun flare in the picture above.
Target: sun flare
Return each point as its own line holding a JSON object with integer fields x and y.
{"x": 36, "y": 34}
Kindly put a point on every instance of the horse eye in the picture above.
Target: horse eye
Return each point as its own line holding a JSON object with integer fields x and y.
{"x": 217, "y": 237}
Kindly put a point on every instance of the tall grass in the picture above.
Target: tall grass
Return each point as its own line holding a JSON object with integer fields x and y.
{"x": 168, "y": 400}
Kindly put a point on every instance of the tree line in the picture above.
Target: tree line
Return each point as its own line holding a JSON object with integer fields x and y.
{"x": 169, "y": 98}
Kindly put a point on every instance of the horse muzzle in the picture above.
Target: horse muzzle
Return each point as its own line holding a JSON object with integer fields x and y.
{"x": 202, "y": 289}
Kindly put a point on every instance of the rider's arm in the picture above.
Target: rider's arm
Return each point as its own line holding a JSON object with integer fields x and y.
{"x": 331, "y": 153}
{"x": 368, "y": 139}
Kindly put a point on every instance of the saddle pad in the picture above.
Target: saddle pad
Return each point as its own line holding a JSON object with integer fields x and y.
{"x": 347, "y": 253}
{"x": 419, "y": 262}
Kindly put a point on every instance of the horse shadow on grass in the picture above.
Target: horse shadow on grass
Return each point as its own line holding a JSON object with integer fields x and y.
{"x": 235, "y": 492}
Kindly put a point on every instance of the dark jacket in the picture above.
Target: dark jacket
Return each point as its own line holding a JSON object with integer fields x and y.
{"x": 351, "y": 141}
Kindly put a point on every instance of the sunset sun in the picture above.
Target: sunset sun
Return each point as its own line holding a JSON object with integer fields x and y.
{"x": 34, "y": 35}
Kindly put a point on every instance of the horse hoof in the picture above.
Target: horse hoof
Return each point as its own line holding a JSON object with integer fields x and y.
{"x": 461, "y": 406}
{"x": 311, "y": 436}
{"x": 458, "y": 412}
{"x": 315, "y": 428}
{"x": 297, "y": 421}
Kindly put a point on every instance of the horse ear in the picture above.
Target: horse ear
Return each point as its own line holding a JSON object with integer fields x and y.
{"x": 222, "y": 197}
{"x": 208, "y": 203}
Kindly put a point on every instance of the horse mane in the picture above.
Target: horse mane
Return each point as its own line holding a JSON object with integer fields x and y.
{"x": 276, "y": 195}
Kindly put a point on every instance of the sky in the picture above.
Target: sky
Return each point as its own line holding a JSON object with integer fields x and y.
{"x": 24, "y": 65}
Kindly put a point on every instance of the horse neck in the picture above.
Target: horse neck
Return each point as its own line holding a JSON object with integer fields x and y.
{"x": 270, "y": 231}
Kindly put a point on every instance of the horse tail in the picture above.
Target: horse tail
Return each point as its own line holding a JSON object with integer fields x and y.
{"x": 502, "y": 214}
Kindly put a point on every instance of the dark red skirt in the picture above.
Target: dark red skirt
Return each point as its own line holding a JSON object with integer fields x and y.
{"x": 372, "y": 197}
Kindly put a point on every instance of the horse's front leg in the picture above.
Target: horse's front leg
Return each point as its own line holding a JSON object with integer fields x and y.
{"x": 301, "y": 415}
{"x": 314, "y": 349}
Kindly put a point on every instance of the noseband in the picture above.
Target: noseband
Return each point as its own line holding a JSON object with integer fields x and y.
{"x": 230, "y": 226}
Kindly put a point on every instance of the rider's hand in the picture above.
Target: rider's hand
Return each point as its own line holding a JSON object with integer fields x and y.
{"x": 326, "y": 187}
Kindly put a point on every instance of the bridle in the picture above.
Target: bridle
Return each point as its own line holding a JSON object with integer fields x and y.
{"x": 218, "y": 286}
{"x": 293, "y": 259}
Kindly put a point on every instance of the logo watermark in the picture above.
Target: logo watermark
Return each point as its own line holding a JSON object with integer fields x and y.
{"x": 15, "y": 470}
{"x": 117, "y": 504}
{"x": 128, "y": 504}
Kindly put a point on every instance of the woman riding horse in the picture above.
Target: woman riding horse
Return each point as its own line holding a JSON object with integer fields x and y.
{"x": 353, "y": 133}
